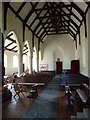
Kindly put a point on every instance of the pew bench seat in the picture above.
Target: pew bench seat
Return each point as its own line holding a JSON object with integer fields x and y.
{"x": 82, "y": 95}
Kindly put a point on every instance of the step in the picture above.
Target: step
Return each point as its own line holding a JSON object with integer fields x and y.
{"x": 73, "y": 117}
{"x": 80, "y": 115}
{"x": 86, "y": 112}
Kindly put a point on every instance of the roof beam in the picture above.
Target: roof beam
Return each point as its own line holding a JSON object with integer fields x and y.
{"x": 43, "y": 32}
{"x": 38, "y": 15}
{"x": 43, "y": 25}
{"x": 41, "y": 17}
{"x": 72, "y": 13}
{"x": 77, "y": 9}
{"x": 58, "y": 30}
{"x": 43, "y": 36}
{"x": 30, "y": 12}
{"x": 66, "y": 24}
{"x": 6, "y": 4}
{"x": 57, "y": 33}
{"x": 39, "y": 23}
{"x": 11, "y": 39}
{"x": 10, "y": 44}
{"x": 54, "y": 20}
{"x": 49, "y": 8}
{"x": 11, "y": 50}
{"x": 14, "y": 47}
{"x": 19, "y": 17}
{"x": 71, "y": 20}
{"x": 20, "y": 8}
{"x": 9, "y": 35}
{"x": 26, "y": 52}
{"x": 25, "y": 49}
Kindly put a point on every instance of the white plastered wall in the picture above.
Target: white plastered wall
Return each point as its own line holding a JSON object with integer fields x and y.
{"x": 61, "y": 46}
{"x": 82, "y": 51}
{"x": 14, "y": 24}
{"x": 10, "y": 70}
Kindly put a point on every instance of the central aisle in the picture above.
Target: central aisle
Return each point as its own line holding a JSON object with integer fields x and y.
{"x": 45, "y": 105}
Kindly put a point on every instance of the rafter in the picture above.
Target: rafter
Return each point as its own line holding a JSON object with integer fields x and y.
{"x": 9, "y": 35}
{"x": 14, "y": 47}
{"x": 38, "y": 15}
{"x": 25, "y": 52}
{"x": 78, "y": 9}
{"x": 19, "y": 17}
{"x": 11, "y": 39}
{"x": 49, "y": 8}
{"x": 6, "y": 4}
{"x": 58, "y": 18}
{"x": 39, "y": 23}
{"x": 20, "y": 8}
{"x": 10, "y": 44}
{"x": 57, "y": 33}
{"x": 10, "y": 49}
{"x": 30, "y": 12}
{"x": 43, "y": 25}
{"x": 72, "y": 13}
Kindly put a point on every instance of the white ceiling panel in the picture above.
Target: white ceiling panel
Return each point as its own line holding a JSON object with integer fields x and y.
{"x": 82, "y": 5}
{"x": 31, "y": 18}
{"x": 25, "y": 10}
{"x": 40, "y": 5}
{"x": 75, "y": 20}
{"x": 76, "y": 13}
{"x": 35, "y": 24}
{"x": 15, "y": 5}
{"x": 38, "y": 29}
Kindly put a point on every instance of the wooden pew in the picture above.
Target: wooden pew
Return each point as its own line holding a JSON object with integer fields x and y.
{"x": 83, "y": 93}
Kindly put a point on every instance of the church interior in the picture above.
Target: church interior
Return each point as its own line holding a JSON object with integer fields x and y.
{"x": 44, "y": 59}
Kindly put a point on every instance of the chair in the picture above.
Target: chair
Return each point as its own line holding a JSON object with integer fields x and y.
{"x": 33, "y": 92}
{"x": 17, "y": 89}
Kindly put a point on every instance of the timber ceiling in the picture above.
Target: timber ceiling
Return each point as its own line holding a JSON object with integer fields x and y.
{"x": 50, "y": 18}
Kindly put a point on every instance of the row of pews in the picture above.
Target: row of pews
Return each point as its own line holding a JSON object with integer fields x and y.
{"x": 79, "y": 86}
{"x": 40, "y": 77}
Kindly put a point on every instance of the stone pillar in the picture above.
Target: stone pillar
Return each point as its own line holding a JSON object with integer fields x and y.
{"x": 38, "y": 61}
{"x": 31, "y": 63}
{"x": 1, "y": 76}
{"x": 89, "y": 43}
{"x": 20, "y": 63}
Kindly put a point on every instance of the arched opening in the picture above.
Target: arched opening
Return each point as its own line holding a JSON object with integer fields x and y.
{"x": 34, "y": 59}
{"x": 26, "y": 58}
{"x": 11, "y": 50}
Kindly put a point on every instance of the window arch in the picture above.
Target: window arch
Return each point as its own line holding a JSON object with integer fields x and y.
{"x": 5, "y": 60}
{"x": 15, "y": 61}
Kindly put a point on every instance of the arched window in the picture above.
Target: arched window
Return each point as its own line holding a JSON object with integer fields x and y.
{"x": 5, "y": 60}
{"x": 15, "y": 61}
